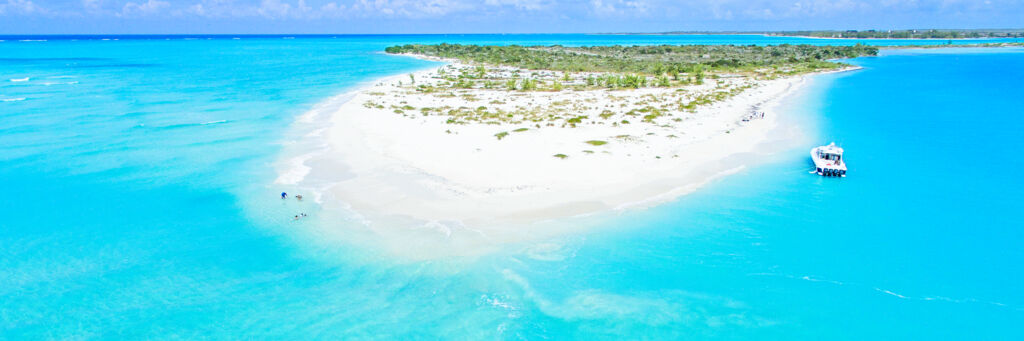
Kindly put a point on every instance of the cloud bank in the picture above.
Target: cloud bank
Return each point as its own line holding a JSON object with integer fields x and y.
{"x": 536, "y": 15}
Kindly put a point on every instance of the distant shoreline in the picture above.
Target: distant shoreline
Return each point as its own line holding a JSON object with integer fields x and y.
{"x": 889, "y": 38}
{"x": 793, "y": 36}
{"x": 988, "y": 34}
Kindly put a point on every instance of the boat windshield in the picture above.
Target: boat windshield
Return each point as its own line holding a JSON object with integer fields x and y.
{"x": 830, "y": 156}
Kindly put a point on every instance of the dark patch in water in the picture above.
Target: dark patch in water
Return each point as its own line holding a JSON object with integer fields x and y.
{"x": 125, "y": 65}
{"x": 77, "y": 62}
{"x": 37, "y": 60}
{"x": 185, "y": 125}
{"x": 220, "y": 141}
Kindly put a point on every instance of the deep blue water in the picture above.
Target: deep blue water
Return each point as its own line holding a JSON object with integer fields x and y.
{"x": 129, "y": 169}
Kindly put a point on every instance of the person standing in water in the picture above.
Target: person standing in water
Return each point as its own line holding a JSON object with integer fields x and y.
{"x": 284, "y": 195}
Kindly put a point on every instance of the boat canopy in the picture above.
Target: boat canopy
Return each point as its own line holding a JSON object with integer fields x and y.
{"x": 831, "y": 149}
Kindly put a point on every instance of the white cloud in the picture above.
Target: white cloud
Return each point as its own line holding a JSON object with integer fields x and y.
{"x": 218, "y": 9}
{"x": 482, "y": 12}
{"x": 528, "y": 5}
{"x": 92, "y": 5}
{"x": 409, "y": 8}
{"x": 150, "y": 7}
{"x": 619, "y": 8}
{"x": 333, "y": 10}
{"x": 195, "y": 9}
{"x": 601, "y": 8}
{"x": 21, "y": 7}
{"x": 274, "y": 9}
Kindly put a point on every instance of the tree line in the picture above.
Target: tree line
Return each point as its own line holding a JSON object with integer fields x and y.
{"x": 647, "y": 60}
{"x": 907, "y": 34}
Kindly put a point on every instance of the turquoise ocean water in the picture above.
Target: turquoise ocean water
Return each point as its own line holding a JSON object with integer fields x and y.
{"x": 138, "y": 203}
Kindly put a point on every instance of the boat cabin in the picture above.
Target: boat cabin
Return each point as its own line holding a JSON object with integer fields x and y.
{"x": 831, "y": 153}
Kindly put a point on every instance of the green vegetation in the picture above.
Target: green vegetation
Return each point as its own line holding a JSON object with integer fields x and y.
{"x": 949, "y": 44}
{"x": 907, "y": 34}
{"x": 512, "y": 81}
{"x": 597, "y": 142}
{"x": 577, "y": 119}
{"x": 561, "y": 156}
{"x": 668, "y": 60}
{"x": 528, "y": 84}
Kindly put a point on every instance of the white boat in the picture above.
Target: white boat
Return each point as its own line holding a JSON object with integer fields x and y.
{"x": 828, "y": 160}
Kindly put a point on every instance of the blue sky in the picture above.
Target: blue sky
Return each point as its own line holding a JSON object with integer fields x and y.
{"x": 494, "y": 16}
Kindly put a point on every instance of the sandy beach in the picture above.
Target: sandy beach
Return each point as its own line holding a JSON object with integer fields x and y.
{"x": 399, "y": 168}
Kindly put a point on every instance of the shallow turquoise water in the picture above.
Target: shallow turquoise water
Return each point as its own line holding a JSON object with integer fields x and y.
{"x": 130, "y": 168}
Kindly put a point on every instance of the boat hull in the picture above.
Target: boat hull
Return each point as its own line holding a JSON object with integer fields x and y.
{"x": 827, "y": 168}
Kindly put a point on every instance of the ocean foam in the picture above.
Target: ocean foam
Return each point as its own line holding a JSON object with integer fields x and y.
{"x": 21, "y": 79}
{"x": 890, "y": 293}
{"x": 550, "y": 252}
{"x": 439, "y": 227}
{"x": 295, "y": 171}
{"x": 13, "y": 99}
{"x": 316, "y": 132}
{"x": 497, "y": 302}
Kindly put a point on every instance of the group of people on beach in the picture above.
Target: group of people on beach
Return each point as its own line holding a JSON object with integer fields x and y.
{"x": 753, "y": 115}
{"x": 284, "y": 195}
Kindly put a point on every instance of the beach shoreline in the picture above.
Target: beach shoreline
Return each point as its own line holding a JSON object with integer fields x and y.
{"x": 393, "y": 173}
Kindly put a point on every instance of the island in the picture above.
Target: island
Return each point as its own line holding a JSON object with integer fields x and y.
{"x": 500, "y": 136}
{"x": 866, "y": 34}
{"x": 906, "y": 34}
